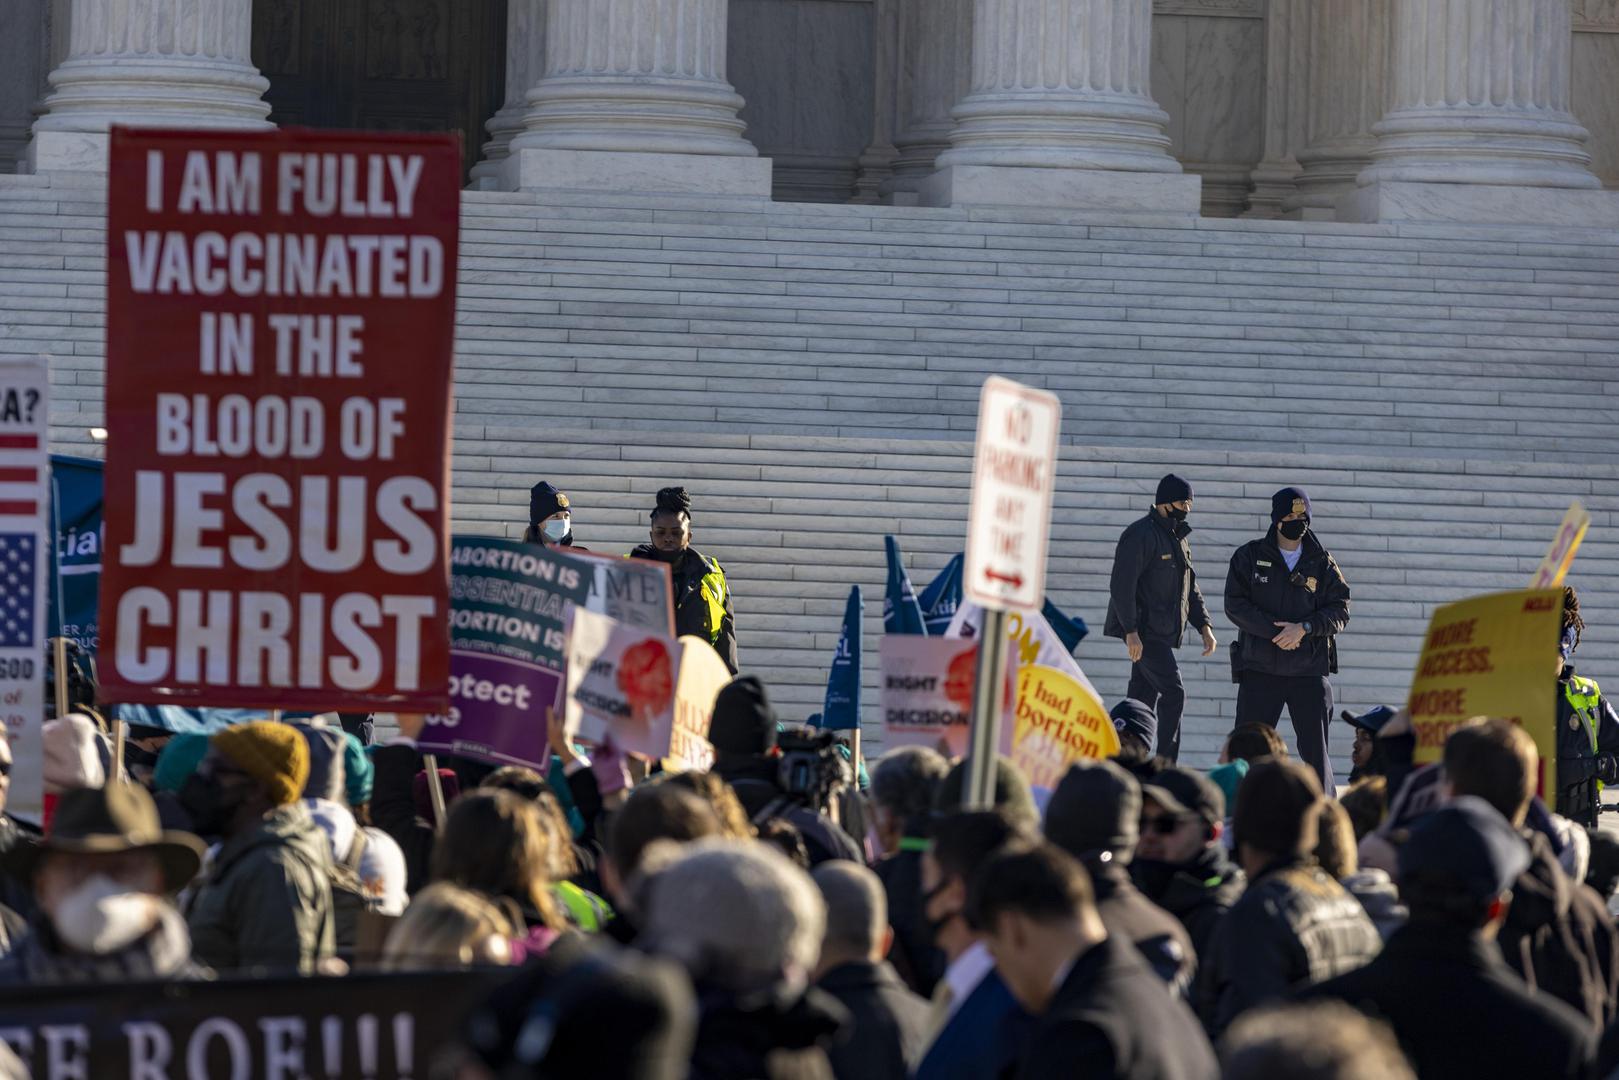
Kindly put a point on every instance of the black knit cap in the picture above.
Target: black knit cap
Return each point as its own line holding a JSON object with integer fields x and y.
{"x": 544, "y": 500}
{"x": 1172, "y": 489}
{"x": 1287, "y": 501}
{"x": 1095, "y": 808}
{"x": 744, "y": 722}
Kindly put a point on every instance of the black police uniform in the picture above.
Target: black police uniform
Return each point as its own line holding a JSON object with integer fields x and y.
{"x": 1155, "y": 595}
{"x": 1261, "y": 591}
{"x": 1587, "y": 746}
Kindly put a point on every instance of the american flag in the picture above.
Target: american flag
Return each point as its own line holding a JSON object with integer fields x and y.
{"x": 19, "y": 475}
{"x": 17, "y": 558}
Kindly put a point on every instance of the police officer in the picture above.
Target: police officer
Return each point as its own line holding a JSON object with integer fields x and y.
{"x": 1587, "y": 728}
{"x": 1288, "y": 600}
{"x": 1154, "y": 596}
{"x": 550, "y": 517}
{"x": 702, "y": 596}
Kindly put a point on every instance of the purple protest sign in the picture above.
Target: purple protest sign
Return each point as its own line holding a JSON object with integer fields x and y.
{"x": 508, "y": 602}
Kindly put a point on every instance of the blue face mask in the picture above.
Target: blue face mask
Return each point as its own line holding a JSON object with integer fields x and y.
{"x": 556, "y": 530}
{"x": 1566, "y": 647}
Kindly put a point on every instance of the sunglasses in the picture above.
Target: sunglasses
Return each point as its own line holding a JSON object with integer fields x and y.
{"x": 1163, "y": 825}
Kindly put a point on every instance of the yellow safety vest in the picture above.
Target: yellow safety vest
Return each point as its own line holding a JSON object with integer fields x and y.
{"x": 586, "y": 910}
{"x": 1586, "y": 698}
{"x": 714, "y": 591}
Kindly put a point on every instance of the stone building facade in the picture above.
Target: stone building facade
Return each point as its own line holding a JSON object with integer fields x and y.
{"x": 1352, "y": 110}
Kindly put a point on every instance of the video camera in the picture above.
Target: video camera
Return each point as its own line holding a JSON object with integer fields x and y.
{"x": 812, "y": 768}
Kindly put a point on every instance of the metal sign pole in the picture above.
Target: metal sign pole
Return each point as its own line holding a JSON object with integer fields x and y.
{"x": 988, "y": 689}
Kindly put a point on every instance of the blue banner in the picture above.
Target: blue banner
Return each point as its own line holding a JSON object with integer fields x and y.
{"x": 942, "y": 597}
{"x": 1070, "y": 630}
{"x": 842, "y": 709}
{"x": 200, "y": 721}
{"x": 901, "y": 612}
{"x": 75, "y": 573}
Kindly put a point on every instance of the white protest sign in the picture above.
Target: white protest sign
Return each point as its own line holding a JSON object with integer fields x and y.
{"x": 621, "y": 683}
{"x": 1014, "y": 479}
{"x": 24, "y": 413}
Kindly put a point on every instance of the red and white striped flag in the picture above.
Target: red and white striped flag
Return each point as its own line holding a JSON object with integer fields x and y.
{"x": 20, "y": 489}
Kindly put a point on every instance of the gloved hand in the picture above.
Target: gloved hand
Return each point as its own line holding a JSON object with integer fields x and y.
{"x": 1608, "y": 768}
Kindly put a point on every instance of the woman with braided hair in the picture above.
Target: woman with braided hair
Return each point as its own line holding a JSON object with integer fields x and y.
{"x": 702, "y": 596}
{"x": 1587, "y": 728}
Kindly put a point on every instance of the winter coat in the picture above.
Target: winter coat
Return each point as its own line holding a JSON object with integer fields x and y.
{"x": 703, "y": 606}
{"x": 1112, "y": 1018}
{"x": 1559, "y": 937}
{"x": 1587, "y": 744}
{"x": 1154, "y": 589}
{"x": 764, "y": 1037}
{"x": 887, "y": 1022}
{"x": 16, "y": 894}
{"x": 1460, "y": 1013}
{"x": 1156, "y": 934}
{"x": 41, "y": 959}
{"x": 393, "y": 810}
{"x": 1380, "y": 897}
{"x": 1199, "y": 894}
{"x": 1260, "y": 591}
{"x": 266, "y": 901}
{"x": 919, "y": 962}
{"x": 1294, "y": 926}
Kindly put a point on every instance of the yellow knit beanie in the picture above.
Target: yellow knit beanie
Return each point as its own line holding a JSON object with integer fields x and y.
{"x": 275, "y": 755}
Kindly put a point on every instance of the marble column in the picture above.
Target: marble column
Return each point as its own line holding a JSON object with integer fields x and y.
{"x": 1479, "y": 127}
{"x": 876, "y": 162}
{"x": 174, "y": 63}
{"x": 1286, "y": 105}
{"x": 1061, "y": 114}
{"x": 935, "y": 73}
{"x": 23, "y": 49}
{"x": 525, "y": 62}
{"x": 1348, "y": 92}
{"x": 634, "y": 98}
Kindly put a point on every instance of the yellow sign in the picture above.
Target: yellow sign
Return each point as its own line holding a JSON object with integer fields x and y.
{"x": 1059, "y": 721}
{"x": 1554, "y": 567}
{"x": 1491, "y": 655}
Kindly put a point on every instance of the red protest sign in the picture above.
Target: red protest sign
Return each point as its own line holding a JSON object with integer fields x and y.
{"x": 280, "y": 321}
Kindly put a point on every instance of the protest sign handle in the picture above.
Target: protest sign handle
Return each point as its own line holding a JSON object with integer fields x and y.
{"x": 435, "y": 790}
{"x": 120, "y": 734}
{"x": 60, "y": 647}
{"x": 987, "y": 690}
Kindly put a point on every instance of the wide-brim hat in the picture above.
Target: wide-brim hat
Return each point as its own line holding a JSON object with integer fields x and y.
{"x": 108, "y": 821}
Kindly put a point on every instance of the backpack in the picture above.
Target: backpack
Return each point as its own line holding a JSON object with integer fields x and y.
{"x": 349, "y": 897}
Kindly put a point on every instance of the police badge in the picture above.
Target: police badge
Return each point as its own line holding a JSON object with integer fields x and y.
{"x": 1309, "y": 583}
{"x": 1298, "y": 506}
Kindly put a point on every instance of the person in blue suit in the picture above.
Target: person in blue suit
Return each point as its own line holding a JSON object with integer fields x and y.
{"x": 977, "y": 1029}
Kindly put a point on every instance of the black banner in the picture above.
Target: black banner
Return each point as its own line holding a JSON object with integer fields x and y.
{"x": 364, "y": 1027}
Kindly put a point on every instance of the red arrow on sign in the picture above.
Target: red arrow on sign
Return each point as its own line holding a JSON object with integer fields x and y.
{"x": 1014, "y": 580}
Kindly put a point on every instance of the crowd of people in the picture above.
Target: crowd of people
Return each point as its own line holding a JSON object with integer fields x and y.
{"x": 800, "y": 913}
{"x": 1150, "y": 921}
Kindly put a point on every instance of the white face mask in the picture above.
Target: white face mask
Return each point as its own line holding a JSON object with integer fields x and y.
{"x": 102, "y": 916}
{"x": 556, "y": 530}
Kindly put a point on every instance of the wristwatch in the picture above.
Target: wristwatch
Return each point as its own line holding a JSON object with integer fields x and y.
{"x": 1306, "y": 625}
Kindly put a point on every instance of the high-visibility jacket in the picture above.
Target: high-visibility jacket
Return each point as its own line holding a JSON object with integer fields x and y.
{"x": 1587, "y": 744}
{"x": 585, "y": 909}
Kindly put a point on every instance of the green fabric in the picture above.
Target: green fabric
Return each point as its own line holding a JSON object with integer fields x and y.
{"x": 178, "y": 759}
{"x": 586, "y": 910}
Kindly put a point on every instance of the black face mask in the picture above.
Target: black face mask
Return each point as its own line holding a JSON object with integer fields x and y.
{"x": 1293, "y": 530}
{"x": 1176, "y": 513}
{"x": 208, "y": 805}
